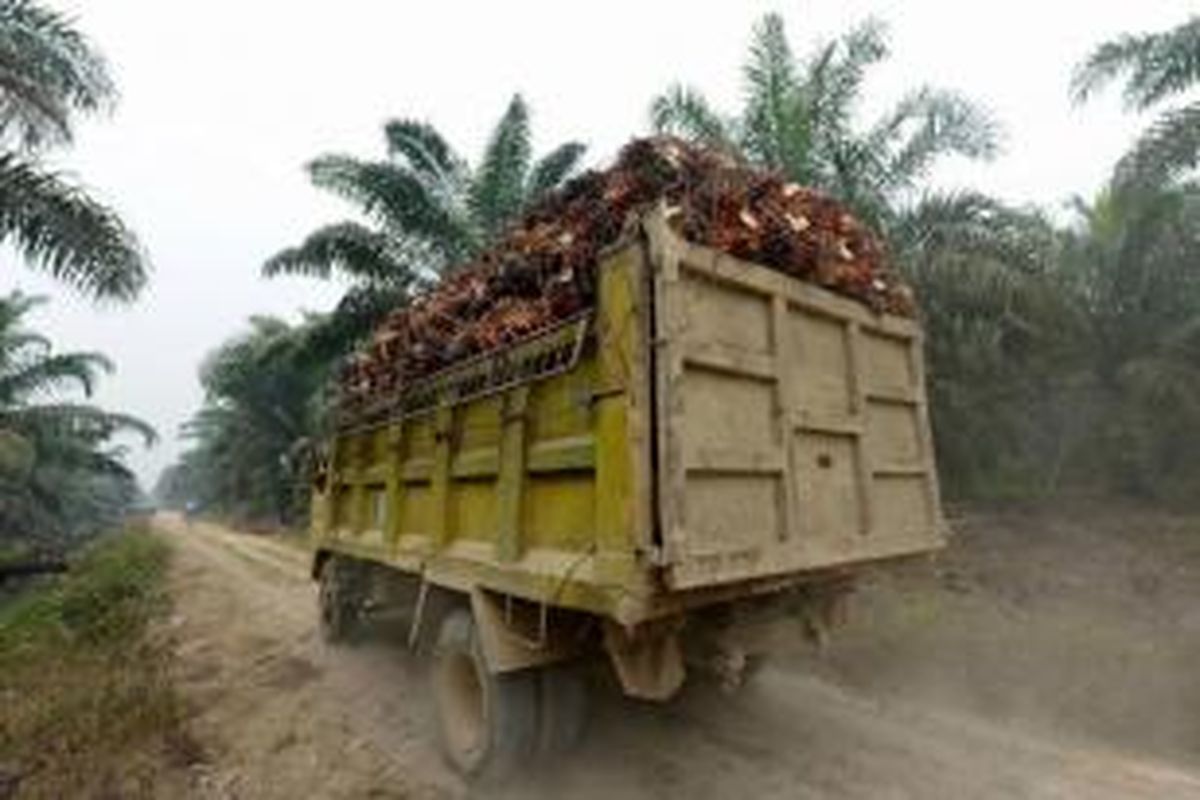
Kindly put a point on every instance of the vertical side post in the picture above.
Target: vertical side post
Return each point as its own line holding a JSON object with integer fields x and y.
{"x": 395, "y": 482}
{"x": 785, "y": 409}
{"x": 510, "y": 482}
{"x": 858, "y": 412}
{"x": 443, "y": 432}
{"x": 359, "y": 514}
{"x": 668, "y": 347}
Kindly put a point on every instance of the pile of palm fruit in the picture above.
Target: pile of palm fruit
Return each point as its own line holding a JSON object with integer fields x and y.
{"x": 543, "y": 271}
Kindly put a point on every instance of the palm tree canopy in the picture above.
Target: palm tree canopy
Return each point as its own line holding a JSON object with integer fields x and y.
{"x": 799, "y": 114}
{"x": 66, "y": 232}
{"x": 1155, "y": 67}
{"x": 28, "y": 368}
{"x": 978, "y": 266}
{"x": 262, "y": 404}
{"x": 430, "y": 209}
{"x": 50, "y": 74}
{"x": 424, "y": 208}
{"x": 61, "y": 475}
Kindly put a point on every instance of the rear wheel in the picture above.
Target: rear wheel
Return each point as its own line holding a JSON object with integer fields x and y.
{"x": 487, "y": 723}
{"x": 562, "y": 708}
{"x": 341, "y": 597}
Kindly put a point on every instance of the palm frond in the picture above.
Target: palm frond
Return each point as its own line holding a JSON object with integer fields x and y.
{"x": 424, "y": 149}
{"x": 683, "y": 111}
{"x": 20, "y": 345}
{"x": 973, "y": 225}
{"x": 938, "y": 123}
{"x": 1158, "y": 65}
{"x": 346, "y": 247}
{"x": 836, "y": 77}
{"x": 359, "y": 311}
{"x": 1168, "y": 149}
{"x": 398, "y": 199}
{"x": 16, "y": 304}
{"x": 496, "y": 193}
{"x": 79, "y": 420}
{"x": 552, "y": 169}
{"x": 48, "y": 72}
{"x": 15, "y": 341}
{"x": 49, "y": 373}
{"x": 61, "y": 229}
{"x": 775, "y": 124}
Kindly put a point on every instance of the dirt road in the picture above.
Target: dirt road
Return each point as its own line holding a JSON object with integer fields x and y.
{"x": 277, "y": 714}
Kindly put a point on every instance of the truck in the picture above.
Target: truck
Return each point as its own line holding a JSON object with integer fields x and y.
{"x": 647, "y": 484}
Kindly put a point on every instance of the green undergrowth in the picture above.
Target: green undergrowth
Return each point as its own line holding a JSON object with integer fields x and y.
{"x": 88, "y": 706}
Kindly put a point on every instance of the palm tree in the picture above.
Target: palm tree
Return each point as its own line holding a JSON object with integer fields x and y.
{"x": 262, "y": 404}
{"x": 60, "y": 474}
{"x": 977, "y": 264}
{"x": 49, "y": 75}
{"x": 994, "y": 315}
{"x": 1128, "y": 265}
{"x": 427, "y": 207}
{"x": 1156, "y": 67}
{"x": 798, "y": 117}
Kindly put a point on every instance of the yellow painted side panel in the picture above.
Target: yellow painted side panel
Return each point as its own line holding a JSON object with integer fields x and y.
{"x": 416, "y": 513}
{"x": 558, "y": 511}
{"x": 472, "y": 510}
{"x": 529, "y": 489}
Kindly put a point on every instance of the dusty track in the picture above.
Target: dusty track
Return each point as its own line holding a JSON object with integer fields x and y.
{"x": 277, "y": 714}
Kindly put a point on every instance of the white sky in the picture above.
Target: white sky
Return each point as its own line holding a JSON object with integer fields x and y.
{"x": 224, "y": 100}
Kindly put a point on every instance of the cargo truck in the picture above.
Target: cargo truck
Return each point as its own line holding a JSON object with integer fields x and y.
{"x": 712, "y": 444}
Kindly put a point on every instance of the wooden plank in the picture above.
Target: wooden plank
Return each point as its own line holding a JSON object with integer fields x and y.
{"x": 418, "y": 470}
{"x": 749, "y": 276}
{"x": 566, "y": 454}
{"x": 511, "y": 480}
{"x": 717, "y": 358}
{"x": 668, "y": 330}
{"x": 841, "y": 427}
{"x": 378, "y": 472}
{"x": 735, "y": 460}
{"x": 623, "y": 505}
{"x": 482, "y": 462}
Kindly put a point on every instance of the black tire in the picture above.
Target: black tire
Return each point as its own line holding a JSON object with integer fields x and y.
{"x": 563, "y": 705}
{"x": 340, "y": 597}
{"x": 487, "y": 723}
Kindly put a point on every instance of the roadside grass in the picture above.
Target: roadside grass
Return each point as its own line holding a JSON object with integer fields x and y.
{"x": 88, "y": 705}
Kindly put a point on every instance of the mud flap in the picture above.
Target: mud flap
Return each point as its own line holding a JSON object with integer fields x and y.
{"x": 648, "y": 659}
{"x": 517, "y": 634}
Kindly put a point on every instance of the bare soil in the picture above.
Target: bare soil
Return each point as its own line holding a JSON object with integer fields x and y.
{"x": 1042, "y": 657}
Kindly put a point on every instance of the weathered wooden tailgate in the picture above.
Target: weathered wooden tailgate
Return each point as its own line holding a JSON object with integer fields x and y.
{"x": 792, "y": 429}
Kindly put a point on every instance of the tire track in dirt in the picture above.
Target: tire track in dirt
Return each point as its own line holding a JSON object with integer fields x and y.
{"x": 281, "y": 715}
{"x": 278, "y": 713}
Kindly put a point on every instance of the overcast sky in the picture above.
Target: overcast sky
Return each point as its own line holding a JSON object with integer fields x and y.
{"x": 223, "y": 101}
